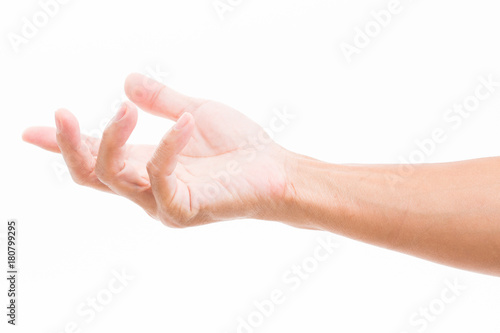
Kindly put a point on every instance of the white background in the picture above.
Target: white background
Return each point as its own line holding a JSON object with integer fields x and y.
{"x": 262, "y": 55}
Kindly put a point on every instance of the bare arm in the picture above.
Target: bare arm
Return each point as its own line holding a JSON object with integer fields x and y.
{"x": 448, "y": 213}
{"x": 216, "y": 164}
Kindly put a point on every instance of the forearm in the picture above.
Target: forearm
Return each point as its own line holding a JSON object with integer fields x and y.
{"x": 448, "y": 213}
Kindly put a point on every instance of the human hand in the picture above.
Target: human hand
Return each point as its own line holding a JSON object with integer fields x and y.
{"x": 213, "y": 164}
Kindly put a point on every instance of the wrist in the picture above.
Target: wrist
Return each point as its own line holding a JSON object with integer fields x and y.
{"x": 351, "y": 200}
{"x": 310, "y": 195}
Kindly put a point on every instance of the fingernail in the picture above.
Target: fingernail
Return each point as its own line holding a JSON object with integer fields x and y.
{"x": 58, "y": 125}
{"x": 119, "y": 115}
{"x": 183, "y": 120}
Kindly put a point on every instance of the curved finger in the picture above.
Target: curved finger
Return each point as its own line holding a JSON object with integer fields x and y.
{"x": 43, "y": 137}
{"x": 162, "y": 165}
{"x": 111, "y": 167}
{"x": 158, "y": 99}
{"x": 76, "y": 154}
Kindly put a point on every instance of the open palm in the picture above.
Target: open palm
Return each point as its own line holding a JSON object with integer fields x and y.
{"x": 214, "y": 164}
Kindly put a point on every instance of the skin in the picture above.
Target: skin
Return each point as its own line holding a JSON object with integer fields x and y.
{"x": 215, "y": 164}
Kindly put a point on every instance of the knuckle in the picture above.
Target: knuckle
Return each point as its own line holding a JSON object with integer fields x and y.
{"x": 167, "y": 220}
{"x": 155, "y": 96}
{"x": 79, "y": 178}
{"x": 176, "y": 218}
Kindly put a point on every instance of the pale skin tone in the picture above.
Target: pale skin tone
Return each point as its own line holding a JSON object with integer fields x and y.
{"x": 216, "y": 164}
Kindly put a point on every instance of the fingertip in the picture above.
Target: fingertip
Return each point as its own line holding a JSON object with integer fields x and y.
{"x": 26, "y": 135}
{"x": 64, "y": 113}
{"x": 129, "y": 105}
{"x": 33, "y": 134}
{"x": 126, "y": 116}
{"x": 156, "y": 98}
{"x": 120, "y": 127}
{"x": 60, "y": 113}
{"x": 67, "y": 126}
{"x": 43, "y": 137}
{"x": 184, "y": 121}
{"x": 131, "y": 79}
{"x": 131, "y": 110}
{"x": 64, "y": 118}
{"x": 180, "y": 134}
{"x": 136, "y": 87}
